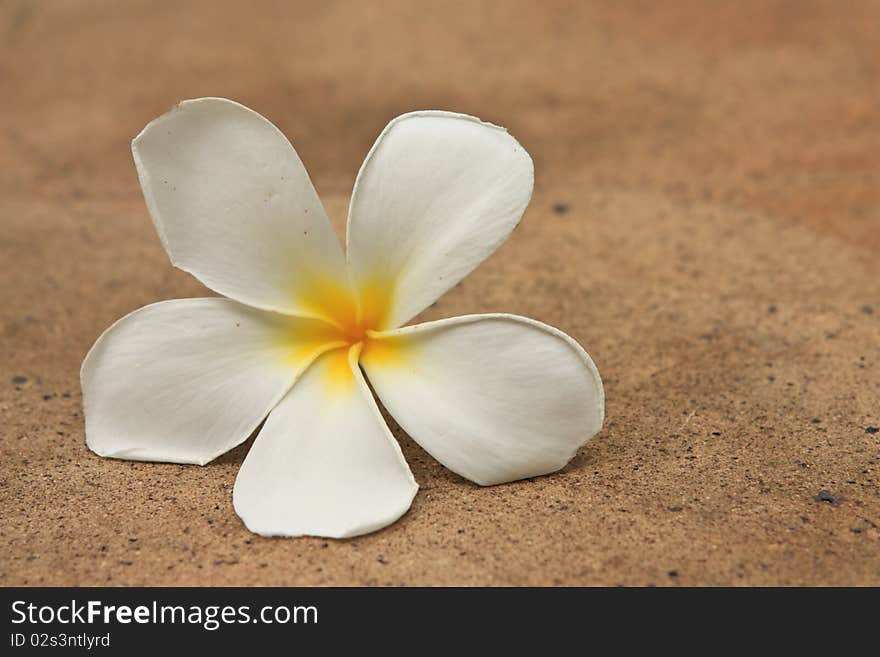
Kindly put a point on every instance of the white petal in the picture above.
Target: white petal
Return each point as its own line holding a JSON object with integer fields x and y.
{"x": 437, "y": 194}
{"x": 234, "y": 205}
{"x": 492, "y": 397}
{"x": 325, "y": 463}
{"x": 187, "y": 380}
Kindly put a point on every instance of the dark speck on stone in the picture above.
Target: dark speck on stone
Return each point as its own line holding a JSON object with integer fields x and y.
{"x": 47, "y": 397}
{"x": 815, "y": 420}
{"x": 771, "y": 309}
{"x": 868, "y": 310}
{"x": 871, "y": 429}
{"x": 18, "y": 380}
{"x": 673, "y": 573}
{"x": 825, "y": 496}
{"x": 675, "y": 509}
{"x": 561, "y": 208}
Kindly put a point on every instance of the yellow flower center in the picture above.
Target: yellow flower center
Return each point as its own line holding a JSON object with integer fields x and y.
{"x": 343, "y": 320}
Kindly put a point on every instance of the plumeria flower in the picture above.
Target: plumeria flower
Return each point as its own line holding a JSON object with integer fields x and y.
{"x": 303, "y": 325}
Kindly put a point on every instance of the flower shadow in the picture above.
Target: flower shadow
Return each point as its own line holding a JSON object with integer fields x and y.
{"x": 235, "y": 456}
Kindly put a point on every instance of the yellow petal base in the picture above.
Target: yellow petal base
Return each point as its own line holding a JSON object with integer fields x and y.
{"x": 343, "y": 329}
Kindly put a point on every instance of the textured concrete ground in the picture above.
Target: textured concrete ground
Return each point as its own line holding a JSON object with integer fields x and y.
{"x": 706, "y": 222}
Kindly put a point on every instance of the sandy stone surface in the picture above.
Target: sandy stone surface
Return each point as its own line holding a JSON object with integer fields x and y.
{"x": 706, "y": 221}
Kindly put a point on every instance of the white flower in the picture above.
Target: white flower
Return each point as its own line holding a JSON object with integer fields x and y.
{"x": 493, "y": 397}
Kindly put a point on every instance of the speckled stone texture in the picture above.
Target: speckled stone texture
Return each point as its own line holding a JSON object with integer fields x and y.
{"x": 706, "y": 222}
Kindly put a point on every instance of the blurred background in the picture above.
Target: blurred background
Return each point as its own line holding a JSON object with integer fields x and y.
{"x": 706, "y": 221}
